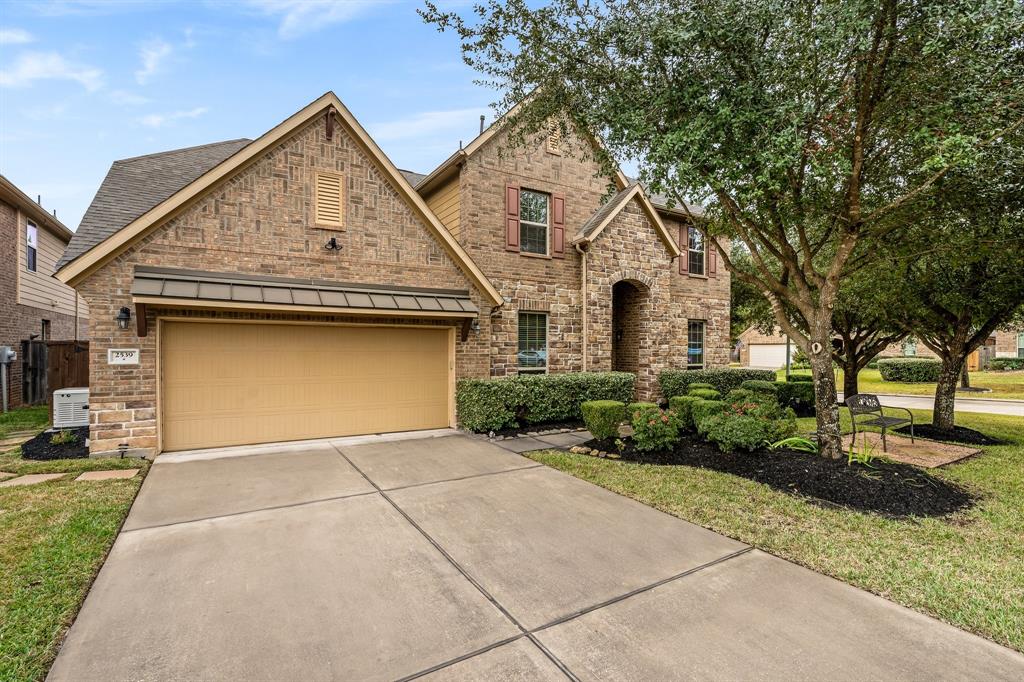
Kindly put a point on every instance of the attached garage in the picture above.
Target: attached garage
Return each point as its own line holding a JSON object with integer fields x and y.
{"x": 240, "y": 383}
{"x": 769, "y": 355}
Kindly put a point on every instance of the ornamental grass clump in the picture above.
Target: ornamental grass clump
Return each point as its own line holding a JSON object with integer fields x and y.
{"x": 653, "y": 428}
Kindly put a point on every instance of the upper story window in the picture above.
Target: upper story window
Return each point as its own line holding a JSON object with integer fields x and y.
{"x": 31, "y": 246}
{"x": 696, "y": 252}
{"x": 328, "y": 200}
{"x": 532, "y": 354}
{"x": 695, "y": 345}
{"x": 533, "y": 221}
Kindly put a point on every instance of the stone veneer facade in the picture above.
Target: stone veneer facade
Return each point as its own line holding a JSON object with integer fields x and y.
{"x": 259, "y": 222}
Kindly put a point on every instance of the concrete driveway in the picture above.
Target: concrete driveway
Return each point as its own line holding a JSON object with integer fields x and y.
{"x": 450, "y": 558}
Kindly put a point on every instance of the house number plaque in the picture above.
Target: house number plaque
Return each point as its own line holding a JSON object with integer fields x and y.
{"x": 122, "y": 356}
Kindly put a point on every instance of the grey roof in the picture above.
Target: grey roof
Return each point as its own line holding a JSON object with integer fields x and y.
{"x": 135, "y": 185}
{"x": 611, "y": 206}
{"x": 251, "y": 289}
{"x": 662, "y": 202}
{"x": 413, "y": 177}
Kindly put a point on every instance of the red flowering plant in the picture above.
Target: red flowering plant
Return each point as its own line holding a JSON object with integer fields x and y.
{"x": 654, "y": 428}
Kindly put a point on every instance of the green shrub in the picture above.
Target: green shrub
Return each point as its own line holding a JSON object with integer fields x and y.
{"x": 700, "y": 385}
{"x": 705, "y": 393}
{"x": 675, "y": 382}
{"x": 910, "y": 370}
{"x": 653, "y": 428}
{"x": 796, "y": 395}
{"x": 800, "y": 378}
{"x": 682, "y": 405}
{"x": 737, "y": 432}
{"x": 603, "y": 417}
{"x": 702, "y": 410}
{"x": 633, "y": 407}
{"x": 739, "y": 395}
{"x": 1005, "y": 364}
{"x": 64, "y": 437}
{"x": 760, "y": 386}
{"x": 873, "y": 362}
{"x": 491, "y": 404}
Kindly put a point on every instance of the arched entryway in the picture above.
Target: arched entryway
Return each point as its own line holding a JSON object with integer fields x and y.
{"x": 629, "y": 302}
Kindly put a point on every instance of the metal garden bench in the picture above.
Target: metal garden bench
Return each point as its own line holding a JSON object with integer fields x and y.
{"x": 867, "y": 404}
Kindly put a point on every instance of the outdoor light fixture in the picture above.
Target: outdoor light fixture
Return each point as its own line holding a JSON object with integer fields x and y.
{"x": 332, "y": 244}
{"x": 124, "y": 317}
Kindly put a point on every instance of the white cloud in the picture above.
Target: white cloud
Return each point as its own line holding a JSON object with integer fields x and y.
{"x": 125, "y": 98}
{"x": 152, "y": 53}
{"x": 427, "y": 123}
{"x": 15, "y": 36}
{"x": 32, "y": 66}
{"x": 160, "y": 120}
{"x": 299, "y": 17}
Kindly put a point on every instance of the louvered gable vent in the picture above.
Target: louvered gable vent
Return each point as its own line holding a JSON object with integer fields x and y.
{"x": 554, "y": 139}
{"x": 329, "y": 210}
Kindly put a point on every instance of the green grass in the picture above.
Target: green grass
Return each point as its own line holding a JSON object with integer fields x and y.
{"x": 22, "y": 419}
{"x": 1006, "y": 385}
{"x": 53, "y": 539}
{"x": 964, "y": 569}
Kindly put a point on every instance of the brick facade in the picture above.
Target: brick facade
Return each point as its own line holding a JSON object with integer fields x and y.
{"x": 18, "y": 322}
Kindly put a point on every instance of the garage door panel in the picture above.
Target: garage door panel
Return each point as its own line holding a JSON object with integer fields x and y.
{"x": 226, "y": 384}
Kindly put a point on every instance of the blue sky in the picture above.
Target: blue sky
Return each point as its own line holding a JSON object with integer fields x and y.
{"x": 85, "y": 82}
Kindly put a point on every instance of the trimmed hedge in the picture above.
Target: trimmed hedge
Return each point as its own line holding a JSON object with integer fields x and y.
{"x": 702, "y": 410}
{"x": 798, "y": 395}
{"x": 1005, "y": 364}
{"x": 492, "y": 404}
{"x": 759, "y": 386}
{"x": 700, "y": 385}
{"x": 675, "y": 382}
{"x": 705, "y": 393}
{"x": 682, "y": 405}
{"x": 910, "y": 370}
{"x": 603, "y": 417}
{"x": 800, "y": 379}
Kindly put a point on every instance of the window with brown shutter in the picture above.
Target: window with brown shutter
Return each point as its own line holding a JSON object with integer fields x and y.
{"x": 684, "y": 246}
{"x": 328, "y": 199}
{"x": 558, "y": 225}
{"x": 512, "y": 217}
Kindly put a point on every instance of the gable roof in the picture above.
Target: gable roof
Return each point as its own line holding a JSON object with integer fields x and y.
{"x": 135, "y": 185}
{"x": 603, "y": 217}
{"x": 13, "y": 195}
{"x": 118, "y": 240}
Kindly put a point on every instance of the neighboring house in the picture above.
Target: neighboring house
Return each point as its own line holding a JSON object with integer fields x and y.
{"x": 1010, "y": 343}
{"x": 907, "y": 348}
{"x": 300, "y": 286}
{"x": 765, "y": 351}
{"x": 33, "y": 304}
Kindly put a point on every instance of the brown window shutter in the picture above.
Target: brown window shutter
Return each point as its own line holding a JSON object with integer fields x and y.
{"x": 558, "y": 225}
{"x": 512, "y": 217}
{"x": 684, "y": 246}
{"x": 712, "y": 257}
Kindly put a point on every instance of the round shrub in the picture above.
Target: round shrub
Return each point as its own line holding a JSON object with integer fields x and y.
{"x": 737, "y": 432}
{"x": 633, "y": 407}
{"x": 682, "y": 405}
{"x": 705, "y": 393}
{"x": 758, "y": 386}
{"x": 797, "y": 395}
{"x": 653, "y": 428}
{"x": 603, "y": 417}
{"x": 675, "y": 382}
{"x": 704, "y": 409}
{"x": 910, "y": 370}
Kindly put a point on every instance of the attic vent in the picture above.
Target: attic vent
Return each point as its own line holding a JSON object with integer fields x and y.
{"x": 554, "y": 139}
{"x": 329, "y": 200}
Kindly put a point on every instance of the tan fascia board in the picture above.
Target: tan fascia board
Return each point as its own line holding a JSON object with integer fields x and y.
{"x": 652, "y": 214}
{"x": 199, "y": 304}
{"x": 13, "y": 195}
{"x": 99, "y": 254}
{"x": 447, "y": 169}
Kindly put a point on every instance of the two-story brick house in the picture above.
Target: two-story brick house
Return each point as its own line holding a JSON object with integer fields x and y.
{"x": 301, "y": 286}
{"x": 33, "y": 304}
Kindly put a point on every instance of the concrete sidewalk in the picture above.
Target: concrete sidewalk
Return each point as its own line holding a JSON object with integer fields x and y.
{"x": 986, "y": 405}
{"x": 451, "y": 558}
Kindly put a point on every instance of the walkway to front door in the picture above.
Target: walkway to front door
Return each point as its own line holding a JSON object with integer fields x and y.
{"x": 452, "y": 558}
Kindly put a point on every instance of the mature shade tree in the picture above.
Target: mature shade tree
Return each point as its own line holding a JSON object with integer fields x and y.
{"x": 805, "y": 127}
{"x": 747, "y": 306}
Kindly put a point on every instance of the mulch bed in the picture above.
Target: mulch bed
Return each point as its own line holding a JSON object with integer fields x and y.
{"x": 887, "y": 488}
{"x": 40, "y": 448}
{"x": 960, "y": 434}
{"x": 539, "y": 428}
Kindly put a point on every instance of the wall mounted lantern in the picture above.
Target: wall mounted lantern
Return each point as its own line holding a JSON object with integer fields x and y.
{"x": 124, "y": 317}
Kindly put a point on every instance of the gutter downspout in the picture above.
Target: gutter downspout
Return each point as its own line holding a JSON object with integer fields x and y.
{"x": 583, "y": 293}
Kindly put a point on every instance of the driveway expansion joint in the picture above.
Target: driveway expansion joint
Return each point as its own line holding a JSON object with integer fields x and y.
{"x": 458, "y": 478}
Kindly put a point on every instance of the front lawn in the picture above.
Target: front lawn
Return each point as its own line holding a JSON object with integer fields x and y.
{"x": 23, "y": 419}
{"x": 1007, "y": 385}
{"x": 53, "y": 539}
{"x": 963, "y": 569}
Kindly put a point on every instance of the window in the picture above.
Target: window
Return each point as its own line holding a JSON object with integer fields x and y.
{"x": 45, "y": 331}
{"x": 909, "y": 348}
{"x": 533, "y": 342}
{"x": 1020, "y": 345}
{"x": 696, "y": 252}
{"x": 329, "y": 210}
{"x": 533, "y": 222}
{"x": 31, "y": 244}
{"x": 695, "y": 345}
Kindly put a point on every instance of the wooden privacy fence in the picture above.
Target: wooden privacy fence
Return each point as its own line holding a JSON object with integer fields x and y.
{"x": 49, "y": 366}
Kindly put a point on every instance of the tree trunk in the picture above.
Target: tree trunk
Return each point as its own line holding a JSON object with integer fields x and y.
{"x": 829, "y": 436}
{"x": 945, "y": 393}
{"x": 965, "y": 379}
{"x": 850, "y": 371}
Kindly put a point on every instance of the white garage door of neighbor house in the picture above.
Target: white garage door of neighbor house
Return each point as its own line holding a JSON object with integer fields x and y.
{"x": 768, "y": 355}
{"x": 236, "y": 384}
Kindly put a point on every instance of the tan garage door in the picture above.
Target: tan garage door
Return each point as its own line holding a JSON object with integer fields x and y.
{"x": 233, "y": 384}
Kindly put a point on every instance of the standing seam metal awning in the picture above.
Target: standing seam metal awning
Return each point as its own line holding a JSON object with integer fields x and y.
{"x": 178, "y": 286}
